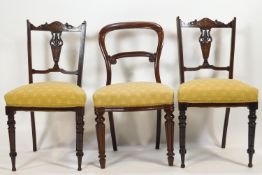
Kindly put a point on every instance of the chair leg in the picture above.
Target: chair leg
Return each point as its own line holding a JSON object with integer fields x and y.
{"x": 33, "y": 130}
{"x": 79, "y": 136}
{"x": 158, "y": 129}
{"x": 11, "y": 132}
{"x": 100, "y": 133}
{"x": 224, "y": 138}
{"x": 251, "y": 133}
{"x": 112, "y": 130}
{"x": 169, "y": 125}
{"x": 182, "y": 133}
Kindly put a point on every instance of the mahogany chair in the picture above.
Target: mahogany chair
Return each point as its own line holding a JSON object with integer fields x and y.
{"x": 52, "y": 95}
{"x": 213, "y": 92}
{"x": 132, "y": 96}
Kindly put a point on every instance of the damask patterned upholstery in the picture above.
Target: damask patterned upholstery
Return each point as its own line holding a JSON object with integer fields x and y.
{"x": 133, "y": 94}
{"x": 47, "y": 94}
{"x": 212, "y": 90}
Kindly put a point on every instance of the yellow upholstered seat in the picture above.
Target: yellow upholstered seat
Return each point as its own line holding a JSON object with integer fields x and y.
{"x": 133, "y": 94}
{"x": 212, "y": 90}
{"x": 46, "y": 94}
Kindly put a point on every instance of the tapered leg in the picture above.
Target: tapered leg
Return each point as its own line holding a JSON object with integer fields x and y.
{"x": 100, "y": 133}
{"x": 11, "y": 132}
{"x": 158, "y": 128}
{"x": 112, "y": 130}
{"x": 79, "y": 136}
{"x": 169, "y": 125}
{"x": 224, "y": 138}
{"x": 251, "y": 133}
{"x": 33, "y": 130}
{"x": 182, "y": 133}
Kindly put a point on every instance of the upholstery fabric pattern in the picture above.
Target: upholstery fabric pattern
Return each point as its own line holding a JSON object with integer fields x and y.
{"x": 47, "y": 94}
{"x": 133, "y": 94}
{"x": 213, "y": 90}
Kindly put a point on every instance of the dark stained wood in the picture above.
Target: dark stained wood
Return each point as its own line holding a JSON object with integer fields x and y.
{"x": 205, "y": 25}
{"x": 224, "y": 137}
{"x": 182, "y": 133}
{"x": 131, "y": 109}
{"x": 153, "y": 57}
{"x": 112, "y": 130}
{"x": 205, "y": 39}
{"x": 11, "y": 132}
{"x": 251, "y": 132}
{"x": 33, "y": 131}
{"x": 79, "y": 136}
{"x": 56, "y": 26}
{"x": 100, "y": 130}
{"x": 206, "y": 66}
{"x": 169, "y": 125}
{"x": 112, "y": 59}
{"x": 204, "y": 105}
{"x": 158, "y": 129}
{"x": 56, "y": 29}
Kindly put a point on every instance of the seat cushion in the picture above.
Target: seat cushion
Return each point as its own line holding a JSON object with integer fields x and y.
{"x": 212, "y": 90}
{"x": 46, "y": 94}
{"x": 133, "y": 94}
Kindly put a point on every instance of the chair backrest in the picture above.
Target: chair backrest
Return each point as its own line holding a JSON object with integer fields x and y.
{"x": 205, "y": 39}
{"x": 112, "y": 59}
{"x": 56, "y": 29}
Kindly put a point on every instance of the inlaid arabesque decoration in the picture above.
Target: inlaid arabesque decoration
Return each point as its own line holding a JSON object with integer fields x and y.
{"x": 56, "y": 44}
{"x": 56, "y": 28}
{"x": 205, "y": 38}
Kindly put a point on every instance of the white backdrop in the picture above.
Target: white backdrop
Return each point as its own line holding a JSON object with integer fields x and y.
{"x": 58, "y": 129}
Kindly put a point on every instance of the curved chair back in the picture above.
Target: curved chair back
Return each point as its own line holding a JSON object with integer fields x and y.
{"x": 112, "y": 59}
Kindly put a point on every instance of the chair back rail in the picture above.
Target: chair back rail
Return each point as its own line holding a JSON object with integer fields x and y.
{"x": 56, "y": 29}
{"x": 205, "y": 39}
{"x": 112, "y": 59}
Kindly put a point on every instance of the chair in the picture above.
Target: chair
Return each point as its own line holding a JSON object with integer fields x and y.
{"x": 132, "y": 96}
{"x": 213, "y": 92}
{"x": 52, "y": 95}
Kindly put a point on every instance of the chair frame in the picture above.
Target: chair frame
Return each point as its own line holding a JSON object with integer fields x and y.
{"x": 205, "y": 25}
{"x": 56, "y": 28}
{"x": 109, "y": 60}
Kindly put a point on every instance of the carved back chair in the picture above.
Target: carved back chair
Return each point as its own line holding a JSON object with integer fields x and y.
{"x": 49, "y": 96}
{"x": 132, "y": 96}
{"x": 213, "y": 92}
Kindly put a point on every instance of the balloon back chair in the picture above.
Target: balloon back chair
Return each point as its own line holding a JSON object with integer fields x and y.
{"x": 52, "y": 95}
{"x": 213, "y": 92}
{"x": 132, "y": 96}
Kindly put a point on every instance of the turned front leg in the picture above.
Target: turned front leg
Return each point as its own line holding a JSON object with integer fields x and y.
{"x": 100, "y": 133}
{"x": 79, "y": 136}
{"x": 11, "y": 132}
{"x": 169, "y": 125}
{"x": 182, "y": 134}
{"x": 251, "y": 134}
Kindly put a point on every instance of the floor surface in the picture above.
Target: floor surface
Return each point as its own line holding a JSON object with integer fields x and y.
{"x": 139, "y": 160}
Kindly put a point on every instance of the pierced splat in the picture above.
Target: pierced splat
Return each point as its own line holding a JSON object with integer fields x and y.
{"x": 205, "y": 25}
{"x": 205, "y": 40}
{"x": 56, "y": 44}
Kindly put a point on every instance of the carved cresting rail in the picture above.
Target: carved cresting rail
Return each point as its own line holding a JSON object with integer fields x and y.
{"x": 205, "y": 39}
{"x": 56, "y": 44}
